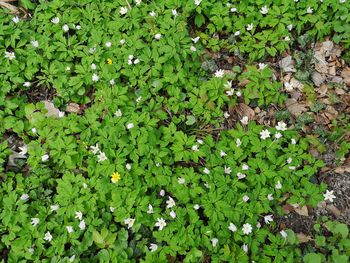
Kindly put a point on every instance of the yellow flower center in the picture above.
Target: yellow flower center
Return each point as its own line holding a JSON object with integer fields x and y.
{"x": 109, "y": 61}
{"x": 115, "y": 177}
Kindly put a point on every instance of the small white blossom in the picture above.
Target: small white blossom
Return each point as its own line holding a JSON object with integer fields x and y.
{"x": 93, "y": 66}
{"x": 245, "y": 167}
{"x": 82, "y": 225}
{"x": 67, "y": 68}
{"x": 193, "y": 48}
{"x": 72, "y": 258}
{"x": 250, "y": 27}
{"x": 153, "y": 247}
{"x": 170, "y": 202}
{"x": 54, "y": 207}
{"x": 34, "y": 130}
{"x": 293, "y": 141}
{"x": 95, "y": 77}
{"x": 48, "y": 236}
{"x": 108, "y": 44}
{"x": 15, "y": 19}
{"x": 101, "y": 157}
{"x": 286, "y": 38}
{"x": 329, "y": 196}
{"x": 10, "y": 55}
{"x": 227, "y": 170}
{"x": 65, "y": 28}
{"x": 112, "y": 82}
{"x": 94, "y": 149}
{"x": 278, "y": 185}
{"x": 258, "y": 225}
{"x": 222, "y": 153}
{"x": 238, "y": 142}
{"x": 200, "y": 141}
{"x": 160, "y": 223}
{"x": 85, "y": 186}
{"x": 92, "y": 50}
{"x": 138, "y": 99}
{"x": 230, "y": 92}
{"x": 136, "y": 61}
{"x": 245, "y": 198}
{"x": 241, "y": 176}
{"x": 24, "y": 150}
{"x": 61, "y": 114}
{"x": 214, "y": 242}
{"x": 78, "y": 27}
{"x": 162, "y": 192}
{"x": 292, "y": 167}
{"x": 247, "y": 228}
{"x": 245, "y": 248}
{"x": 35, "y": 43}
{"x": 264, "y": 10}
{"x": 152, "y": 14}
{"x": 232, "y": 227}
{"x": 138, "y": 2}
{"x": 195, "y": 148}
{"x": 206, "y": 171}
{"x": 55, "y": 20}
{"x": 79, "y": 215}
{"x": 35, "y": 221}
{"x": 238, "y": 94}
{"x": 69, "y": 229}
{"x": 283, "y": 234}
{"x": 288, "y": 86}
{"x": 233, "y": 9}
{"x": 118, "y": 113}
{"x": 128, "y": 166}
{"x": 342, "y": 1}
{"x": 270, "y": 197}
{"x": 264, "y": 134}
{"x": 219, "y": 73}
{"x": 45, "y": 157}
{"x": 309, "y": 10}
{"x": 268, "y": 219}
{"x": 196, "y": 206}
{"x": 130, "y": 126}
{"x": 122, "y": 41}
{"x": 197, "y": 2}
{"x": 237, "y": 33}
{"x": 174, "y": 12}
{"x": 226, "y": 115}
{"x": 262, "y": 66}
{"x": 181, "y": 180}
{"x": 195, "y": 40}
{"x": 278, "y": 135}
{"x": 290, "y": 27}
{"x": 129, "y": 222}
{"x": 150, "y": 209}
{"x": 111, "y": 208}
{"x": 173, "y": 214}
{"x": 31, "y": 250}
{"x": 281, "y": 126}
{"x": 157, "y": 36}
{"x": 245, "y": 120}
{"x": 123, "y": 10}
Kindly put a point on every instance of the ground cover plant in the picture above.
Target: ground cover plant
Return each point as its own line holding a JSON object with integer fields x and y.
{"x": 125, "y": 137}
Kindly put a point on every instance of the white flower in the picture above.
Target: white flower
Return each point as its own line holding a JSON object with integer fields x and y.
{"x": 152, "y": 14}
{"x": 281, "y": 126}
{"x": 214, "y": 241}
{"x": 170, "y": 202}
{"x": 227, "y": 170}
{"x": 48, "y": 236}
{"x": 195, "y": 148}
{"x": 92, "y": 50}
{"x": 245, "y": 198}
{"x": 160, "y": 223}
{"x": 293, "y": 141}
{"x": 65, "y": 28}
{"x": 71, "y": 259}
{"x": 264, "y": 10}
{"x": 138, "y": 2}
{"x": 283, "y": 234}
{"x": 55, "y": 20}
{"x": 226, "y": 115}
{"x": 292, "y": 167}
{"x": 288, "y": 86}
{"x": 270, "y": 197}
{"x": 128, "y": 166}
{"x": 219, "y": 73}
{"x": 157, "y": 36}
{"x": 130, "y": 126}
{"x": 232, "y": 227}
{"x": 162, "y": 192}
{"x": 241, "y": 176}
{"x": 54, "y": 207}
{"x": 247, "y": 228}
{"x": 250, "y": 27}
{"x": 278, "y": 135}
{"x": 93, "y": 66}
{"x": 233, "y": 9}
{"x": 153, "y": 247}
{"x": 61, "y": 114}
{"x": 70, "y": 229}
{"x": 245, "y": 167}
{"x": 264, "y": 134}
{"x": 10, "y": 55}
{"x": 195, "y": 40}
{"x": 112, "y": 82}
{"x": 262, "y": 66}
{"x": 101, "y": 157}
{"x": 157, "y": 164}
{"x": 35, "y": 221}
{"x": 193, "y": 49}
{"x": 181, "y": 180}
{"x": 286, "y": 38}
{"x": 118, "y": 113}
{"x": 31, "y": 250}
{"x": 206, "y": 171}
{"x": 122, "y": 41}
{"x": 35, "y": 43}
{"x": 95, "y": 77}
{"x": 237, "y": 33}
{"x": 129, "y": 222}
{"x": 173, "y": 214}
{"x": 197, "y": 2}
{"x": 23, "y": 149}
{"x": 200, "y": 141}
{"x": 94, "y": 149}
{"x": 85, "y": 185}
{"x": 67, "y": 68}
{"x": 329, "y": 196}
{"x": 245, "y": 248}
{"x": 230, "y": 92}
{"x": 150, "y": 209}
{"x": 238, "y": 142}
{"x": 108, "y": 44}
{"x": 268, "y": 219}
{"x": 138, "y": 98}
{"x": 258, "y": 225}
{"x": 174, "y": 12}
{"x": 309, "y": 10}
{"x": 278, "y": 185}
{"x": 78, "y": 27}
{"x": 290, "y": 27}
{"x": 244, "y": 120}
{"x": 111, "y": 208}
{"x": 342, "y": 1}
{"x": 196, "y": 206}
{"x": 34, "y": 130}
{"x": 79, "y": 215}
{"x": 82, "y": 225}
{"x": 238, "y": 94}
{"x": 45, "y": 157}
{"x": 136, "y": 61}
{"x": 15, "y": 19}
{"x": 123, "y": 10}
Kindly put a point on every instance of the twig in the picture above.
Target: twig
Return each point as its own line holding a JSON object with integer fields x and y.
{"x": 127, "y": 2}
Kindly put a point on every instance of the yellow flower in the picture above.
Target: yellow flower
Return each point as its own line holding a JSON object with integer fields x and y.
{"x": 115, "y": 177}
{"x": 109, "y": 61}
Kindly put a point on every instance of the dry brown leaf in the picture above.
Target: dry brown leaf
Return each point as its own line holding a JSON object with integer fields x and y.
{"x": 243, "y": 83}
{"x": 287, "y": 64}
{"x": 244, "y": 110}
{"x": 342, "y": 169}
{"x": 318, "y": 79}
{"x": 303, "y": 238}
{"x": 345, "y": 74}
{"x": 334, "y": 210}
{"x": 73, "y": 107}
{"x": 303, "y": 211}
{"x": 296, "y": 108}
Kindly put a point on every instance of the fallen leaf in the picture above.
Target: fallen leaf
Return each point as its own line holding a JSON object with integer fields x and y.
{"x": 345, "y": 74}
{"x": 73, "y": 107}
{"x": 303, "y": 238}
{"x": 317, "y": 78}
{"x": 51, "y": 110}
{"x": 296, "y": 108}
{"x": 287, "y": 64}
{"x": 334, "y": 210}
